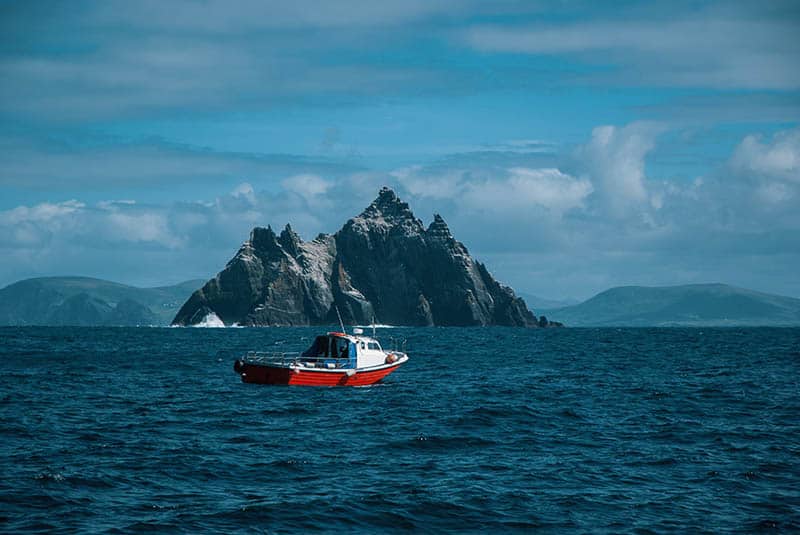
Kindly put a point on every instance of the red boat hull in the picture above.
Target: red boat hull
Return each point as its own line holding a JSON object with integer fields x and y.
{"x": 269, "y": 375}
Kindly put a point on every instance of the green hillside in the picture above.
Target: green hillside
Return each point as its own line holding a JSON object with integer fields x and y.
{"x": 535, "y": 303}
{"x": 87, "y": 301}
{"x": 695, "y": 304}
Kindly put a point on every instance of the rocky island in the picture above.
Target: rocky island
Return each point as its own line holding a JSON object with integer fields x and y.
{"x": 382, "y": 266}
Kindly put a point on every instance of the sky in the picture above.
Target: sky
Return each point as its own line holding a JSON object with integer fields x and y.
{"x": 571, "y": 146}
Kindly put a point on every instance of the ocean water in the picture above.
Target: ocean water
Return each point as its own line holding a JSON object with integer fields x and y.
{"x": 483, "y": 430}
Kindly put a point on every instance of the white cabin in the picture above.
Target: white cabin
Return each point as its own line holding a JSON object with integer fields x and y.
{"x": 341, "y": 350}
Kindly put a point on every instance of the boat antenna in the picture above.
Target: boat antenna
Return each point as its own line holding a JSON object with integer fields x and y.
{"x": 341, "y": 323}
{"x": 373, "y": 325}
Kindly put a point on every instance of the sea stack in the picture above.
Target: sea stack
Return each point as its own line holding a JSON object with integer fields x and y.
{"x": 383, "y": 265}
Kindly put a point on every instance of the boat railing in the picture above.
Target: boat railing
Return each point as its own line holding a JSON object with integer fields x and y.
{"x": 288, "y": 359}
{"x": 397, "y": 344}
{"x": 271, "y": 357}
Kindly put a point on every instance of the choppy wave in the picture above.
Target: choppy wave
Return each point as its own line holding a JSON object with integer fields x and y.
{"x": 483, "y": 430}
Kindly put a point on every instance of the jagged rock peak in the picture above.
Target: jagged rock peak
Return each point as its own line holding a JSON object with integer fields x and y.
{"x": 263, "y": 239}
{"x": 388, "y": 206}
{"x": 290, "y": 240}
{"x": 438, "y": 228}
{"x": 259, "y": 234}
{"x": 387, "y": 194}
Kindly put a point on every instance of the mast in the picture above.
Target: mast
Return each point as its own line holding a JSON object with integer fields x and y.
{"x": 341, "y": 323}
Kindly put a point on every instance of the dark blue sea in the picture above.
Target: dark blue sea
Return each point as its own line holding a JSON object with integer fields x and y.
{"x": 130, "y": 430}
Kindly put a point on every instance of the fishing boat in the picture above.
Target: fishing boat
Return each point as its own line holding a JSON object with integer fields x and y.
{"x": 334, "y": 359}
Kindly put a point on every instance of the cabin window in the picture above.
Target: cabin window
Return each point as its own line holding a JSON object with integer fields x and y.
{"x": 375, "y": 346}
{"x": 344, "y": 348}
{"x": 339, "y": 348}
{"x": 321, "y": 347}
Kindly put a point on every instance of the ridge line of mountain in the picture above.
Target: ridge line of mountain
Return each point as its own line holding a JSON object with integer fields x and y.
{"x": 710, "y": 304}
{"x": 33, "y": 296}
{"x": 87, "y": 301}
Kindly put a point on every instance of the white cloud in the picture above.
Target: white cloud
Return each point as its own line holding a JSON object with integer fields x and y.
{"x": 40, "y": 213}
{"x": 70, "y": 221}
{"x": 774, "y": 192}
{"x": 307, "y": 185}
{"x": 515, "y": 192}
{"x": 708, "y": 49}
{"x": 443, "y": 185}
{"x": 778, "y": 158}
{"x": 244, "y": 191}
{"x": 142, "y": 227}
{"x": 764, "y": 174}
{"x": 610, "y": 170}
{"x": 528, "y": 190}
{"x": 614, "y": 161}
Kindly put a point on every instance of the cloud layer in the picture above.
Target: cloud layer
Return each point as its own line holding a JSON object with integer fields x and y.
{"x": 712, "y": 48}
{"x": 571, "y": 145}
{"x": 105, "y": 60}
{"x": 541, "y": 228}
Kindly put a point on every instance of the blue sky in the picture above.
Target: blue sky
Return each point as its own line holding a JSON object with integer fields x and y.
{"x": 572, "y": 146}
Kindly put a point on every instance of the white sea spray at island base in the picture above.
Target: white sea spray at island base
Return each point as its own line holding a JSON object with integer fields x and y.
{"x": 211, "y": 321}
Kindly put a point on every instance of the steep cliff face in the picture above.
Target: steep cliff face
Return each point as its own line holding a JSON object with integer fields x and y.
{"x": 382, "y": 265}
{"x": 272, "y": 280}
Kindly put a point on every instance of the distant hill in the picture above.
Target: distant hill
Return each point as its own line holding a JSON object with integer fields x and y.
{"x": 87, "y": 301}
{"x": 536, "y": 303}
{"x": 694, "y": 304}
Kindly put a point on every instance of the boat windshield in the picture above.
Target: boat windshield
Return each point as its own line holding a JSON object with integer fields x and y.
{"x": 329, "y": 347}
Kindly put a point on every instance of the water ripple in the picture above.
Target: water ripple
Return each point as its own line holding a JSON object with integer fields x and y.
{"x": 584, "y": 430}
